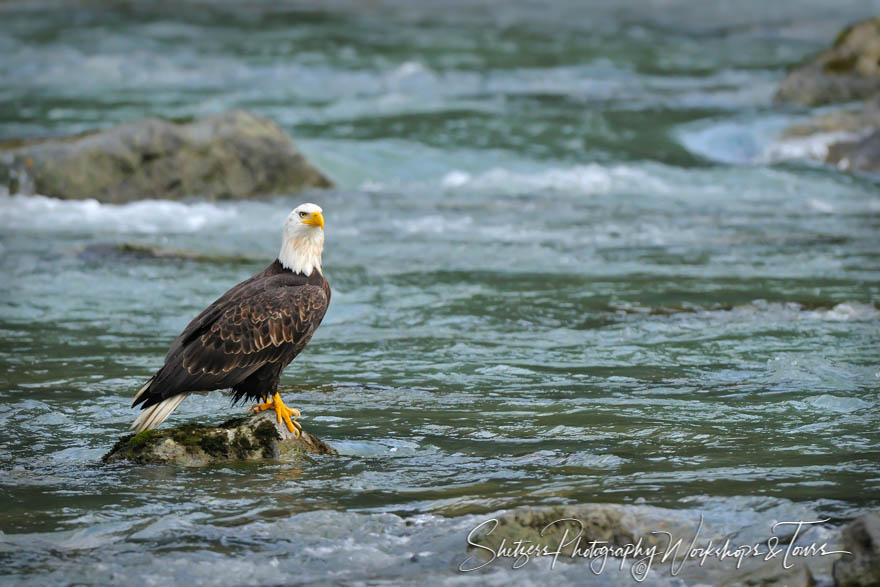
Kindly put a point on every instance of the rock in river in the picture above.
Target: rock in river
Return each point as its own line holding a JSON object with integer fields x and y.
{"x": 862, "y": 538}
{"x": 230, "y": 155}
{"x": 860, "y": 155}
{"x": 252, "y": 438}
{"x": 856, "y": 134}
{"x": 848, "y": 70}
{"x": 682, "y": 539}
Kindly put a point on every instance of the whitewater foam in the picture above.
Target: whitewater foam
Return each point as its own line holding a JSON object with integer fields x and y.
{"x": 792, "y": 311}
{"x": 592, "y": 178}
{"x": 41, "y": 213}
{"x": 809, "y": 147}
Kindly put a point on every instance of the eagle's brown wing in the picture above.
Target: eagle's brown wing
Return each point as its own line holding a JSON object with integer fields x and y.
{"x": 257, "y": 323}
{"x": 206, "y": 317}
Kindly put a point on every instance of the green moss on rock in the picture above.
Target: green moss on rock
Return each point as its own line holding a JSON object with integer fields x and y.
{"x": 847, "y": 70}
{"x": 119, "y": 447}
{"x": 143, "y": 439}
{"x": 215, "y": 445}
{"x": 253, "y": 438}
{"x": 233, "y": 423}
{"x": 841, "y": 64}
{"x": 241, "y": 446}
{"x": 188, "y": 435}
{"x": 267, "y": 437}
{"x": 133, "y": 447}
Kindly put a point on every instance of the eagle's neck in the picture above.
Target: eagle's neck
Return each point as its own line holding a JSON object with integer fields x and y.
{"x": 301, "y": 253}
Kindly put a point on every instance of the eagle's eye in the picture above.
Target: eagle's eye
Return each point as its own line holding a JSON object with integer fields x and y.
{"x": 303, "y": 214}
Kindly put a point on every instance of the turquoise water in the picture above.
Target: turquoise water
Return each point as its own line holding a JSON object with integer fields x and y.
{"x": 571, "y": 262}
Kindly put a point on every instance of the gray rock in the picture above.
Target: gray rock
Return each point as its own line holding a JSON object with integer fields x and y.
{"x": 599, "y": 526}
{"x": 230, "y": 155}
{"x": 862, "y": 538}
{"x": 614, "y": 524}
{"x": 621, "y": 525}
{"x": 861, "y": 155}
{"x": 766, "y": 573}
{"x": 253, "y": 438}
{"x": 848, "y": 70}
{"x": 856, "y": 145}
{"x": 851, "y": 122}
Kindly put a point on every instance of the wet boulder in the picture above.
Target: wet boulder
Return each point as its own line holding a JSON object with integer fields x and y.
{"x": 851, "y": 138}
{"x": 253, "y": 438}
{"x": 637, "y": 540}
{"x": 847, "y": 70}
{"x": 613, "y": 524}
{"x": 234, "y": 154}
{"x": 861, "y": 537}
{"x": 847, "y": 122}
{"x": 859, "y": 155}
{"x": 769, "y": 573}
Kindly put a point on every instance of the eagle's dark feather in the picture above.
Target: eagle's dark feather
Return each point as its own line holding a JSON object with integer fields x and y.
{"x": 245, "y": 339}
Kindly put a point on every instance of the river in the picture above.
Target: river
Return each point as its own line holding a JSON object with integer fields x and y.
{"x": 570, "y": 263}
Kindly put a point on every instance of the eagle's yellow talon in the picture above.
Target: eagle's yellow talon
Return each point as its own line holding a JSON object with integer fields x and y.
{"x": 267, "y": 405}
{"x": 282, "y": 412}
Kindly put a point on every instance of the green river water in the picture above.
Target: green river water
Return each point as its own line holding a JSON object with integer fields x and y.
{"x": 571, "y": 262}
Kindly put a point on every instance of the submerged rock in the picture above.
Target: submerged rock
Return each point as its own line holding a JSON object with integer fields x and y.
{"x": 230, "y": 155}
{"x": 862, "y": 538}
{"x": 848, "y": 70}
{"x": 252, "y": 438}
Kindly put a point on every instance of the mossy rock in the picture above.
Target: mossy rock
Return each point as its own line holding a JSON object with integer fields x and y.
{"x": 253, "y": 438}
{"x": 229, "y": 155}
{"x": 847, "y": 70}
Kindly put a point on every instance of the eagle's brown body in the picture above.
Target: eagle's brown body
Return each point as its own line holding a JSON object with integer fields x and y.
{"x": 245, "y": 339}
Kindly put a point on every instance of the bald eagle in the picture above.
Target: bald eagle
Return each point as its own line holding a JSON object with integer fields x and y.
{"x": 245, "y": 339}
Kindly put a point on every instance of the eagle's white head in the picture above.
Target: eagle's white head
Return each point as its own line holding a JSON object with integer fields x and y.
{"x": 303, "y": 239}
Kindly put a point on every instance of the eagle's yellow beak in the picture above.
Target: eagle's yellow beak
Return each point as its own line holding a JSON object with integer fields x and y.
{"x": 316, "y": 219}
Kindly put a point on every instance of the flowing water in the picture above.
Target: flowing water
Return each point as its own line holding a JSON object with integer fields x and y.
{"x": 570, "y": 263}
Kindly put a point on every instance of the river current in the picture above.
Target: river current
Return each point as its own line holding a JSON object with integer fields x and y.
{"x": 571, "y": 262}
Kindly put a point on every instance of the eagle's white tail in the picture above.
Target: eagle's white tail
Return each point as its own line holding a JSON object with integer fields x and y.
{"x": 156, "y": 414}
{"x": 141, "y": 391}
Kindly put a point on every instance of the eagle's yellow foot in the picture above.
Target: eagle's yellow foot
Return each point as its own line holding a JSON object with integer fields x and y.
{"x": 283, "y": 412}
{"x": 264, "y": 406}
